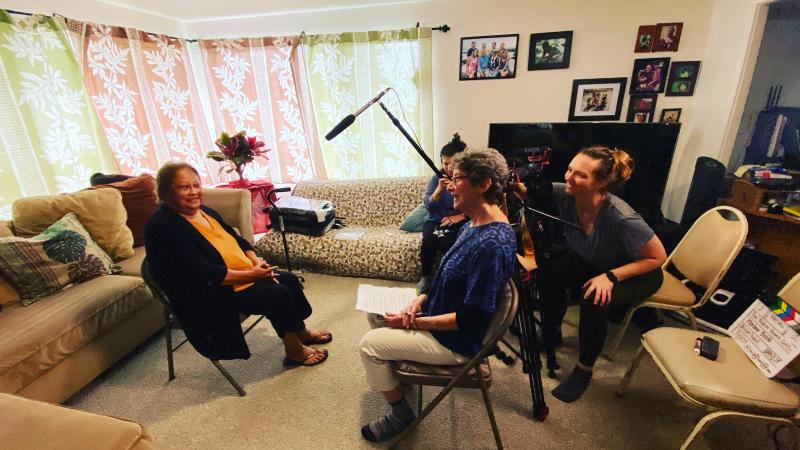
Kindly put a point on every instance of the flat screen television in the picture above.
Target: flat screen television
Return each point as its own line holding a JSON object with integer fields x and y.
{"x": 651, "y": 146}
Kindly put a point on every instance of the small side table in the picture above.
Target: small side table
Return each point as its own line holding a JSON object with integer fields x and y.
{"x": 258, "y": 193}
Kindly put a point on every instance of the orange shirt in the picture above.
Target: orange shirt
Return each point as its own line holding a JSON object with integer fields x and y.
{"x": 226, "y": 245}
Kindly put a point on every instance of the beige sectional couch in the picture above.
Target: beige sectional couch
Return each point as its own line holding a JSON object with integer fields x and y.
{"x": 377, "y": 207}
{"x": 52, "y": 348}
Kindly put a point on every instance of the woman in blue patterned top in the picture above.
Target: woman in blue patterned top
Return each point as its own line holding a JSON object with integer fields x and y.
{"x": 446, "y": 325}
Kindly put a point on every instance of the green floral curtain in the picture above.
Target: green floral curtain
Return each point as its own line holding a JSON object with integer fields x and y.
{"x": 348, "y": 69}
{"x": 50, "y": 138}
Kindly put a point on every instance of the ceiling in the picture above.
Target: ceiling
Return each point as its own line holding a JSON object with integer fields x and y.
{"x": 207, "y": 10}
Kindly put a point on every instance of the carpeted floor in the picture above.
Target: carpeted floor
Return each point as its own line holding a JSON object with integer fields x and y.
{"x": 324, "y": 406}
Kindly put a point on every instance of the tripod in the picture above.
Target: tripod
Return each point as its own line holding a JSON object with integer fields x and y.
{"x": 281, "y": 226}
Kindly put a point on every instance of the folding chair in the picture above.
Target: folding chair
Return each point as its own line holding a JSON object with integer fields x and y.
{"x": 475, "y": 374}
{"x": 171, "y": 323}
{"x": 703, "y": 256}
{"x": 730, "y": 386}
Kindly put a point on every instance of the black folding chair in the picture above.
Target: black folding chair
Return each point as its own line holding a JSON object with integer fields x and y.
{"x": 171, "y": 323}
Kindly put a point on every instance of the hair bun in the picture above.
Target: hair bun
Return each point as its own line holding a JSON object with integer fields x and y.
{"x": 456, "y": 138}
{"x": 623, "y": 165}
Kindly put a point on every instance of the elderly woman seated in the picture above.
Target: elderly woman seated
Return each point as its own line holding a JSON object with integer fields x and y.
{"x": 211, "y": 276}
{"x": 446, "y": 325}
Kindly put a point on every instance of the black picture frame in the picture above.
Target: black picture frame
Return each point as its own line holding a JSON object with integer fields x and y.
{"x": 558, "y": 58}
{"x": 641, "y": 108}
{"x": 682, "y": 78}
{"x": 652, "y": 81}
{"x": 672, "y": 111}
{"x": 511, "y": 64}
{"x": 588, "y": 90}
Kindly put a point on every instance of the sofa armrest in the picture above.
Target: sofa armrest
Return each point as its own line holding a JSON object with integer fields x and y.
{"x": 34, "y": 424}
{"x": 234, "y": 206}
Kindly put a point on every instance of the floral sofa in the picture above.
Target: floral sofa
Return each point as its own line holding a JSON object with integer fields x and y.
{"x": 377, "y": 207}
{"x": 52, "y": 348}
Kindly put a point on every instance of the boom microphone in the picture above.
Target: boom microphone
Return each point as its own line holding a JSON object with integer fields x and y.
{"x": 349, "y": 119}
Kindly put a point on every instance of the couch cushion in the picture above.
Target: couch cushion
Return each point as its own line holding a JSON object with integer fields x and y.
{"x": 100, "y": 211}
{"x": 41, "y": 425}
{"x": 382, "y": 252}
{"x": 730, "y": 382}
{"x": 140, "y": 201}
{"x": 62, "y": 255}
{"x": 35, "y": 338}
{"x": 133, "y": 266}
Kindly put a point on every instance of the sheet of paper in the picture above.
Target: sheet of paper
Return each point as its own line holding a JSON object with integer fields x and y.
{"x": 379, "y": 299}
{"x": 765, "y": 338}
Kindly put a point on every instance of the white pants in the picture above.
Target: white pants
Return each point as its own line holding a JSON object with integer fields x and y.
{"x": 381, "y": 345}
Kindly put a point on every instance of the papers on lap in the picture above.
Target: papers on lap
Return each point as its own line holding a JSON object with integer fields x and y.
{"x": 769, "y": 342}
{"x": 379, "y": 299}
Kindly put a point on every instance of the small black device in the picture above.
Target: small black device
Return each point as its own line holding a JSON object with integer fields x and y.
{"x": 707, "y": 347}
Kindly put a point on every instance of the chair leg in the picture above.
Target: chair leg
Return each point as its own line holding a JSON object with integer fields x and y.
{"x": 419, "y": 400}
{"x": 623, "y": 385}
{"x": 621, "y": 333}
{"x": 692, "y": 318}
{"x": 703, "y": 424}
{"x": 228, "y": 377}
{"x": 170, "y": 363}
{"x": 490, "y": 412}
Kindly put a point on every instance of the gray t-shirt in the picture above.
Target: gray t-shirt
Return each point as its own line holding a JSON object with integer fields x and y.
{"x": 618, "y": 235}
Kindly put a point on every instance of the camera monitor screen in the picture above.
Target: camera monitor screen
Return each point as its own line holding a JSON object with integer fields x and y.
{"x": 651, "y": 146}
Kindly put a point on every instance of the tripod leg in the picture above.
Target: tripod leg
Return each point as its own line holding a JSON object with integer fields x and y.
{"x": 529, "y": 349}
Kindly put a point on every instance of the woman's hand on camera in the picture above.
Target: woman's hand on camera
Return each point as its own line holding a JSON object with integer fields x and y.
{"x": 600, "y": 288}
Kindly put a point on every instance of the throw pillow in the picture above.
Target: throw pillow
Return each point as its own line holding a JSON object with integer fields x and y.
{"x": 62, "y": 255}
{"x": 140, "y": 201}
{"x": 100, "y": 211}
{"x": 415, "y": 220}
{"x": 8, "y": 294}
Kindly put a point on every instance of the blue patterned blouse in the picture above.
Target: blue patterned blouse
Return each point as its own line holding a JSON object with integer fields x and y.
{"x": 470, "y": 278}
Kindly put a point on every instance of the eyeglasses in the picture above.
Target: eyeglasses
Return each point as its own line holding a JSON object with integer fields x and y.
{"x": 456, "y": 179}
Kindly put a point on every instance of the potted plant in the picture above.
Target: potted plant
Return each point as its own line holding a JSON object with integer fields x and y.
{"x": 237, "y": 151}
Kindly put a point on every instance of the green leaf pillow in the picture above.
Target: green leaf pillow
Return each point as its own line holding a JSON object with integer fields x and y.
{"x": 60, "y": 256}
{"x": 415, "y": 220}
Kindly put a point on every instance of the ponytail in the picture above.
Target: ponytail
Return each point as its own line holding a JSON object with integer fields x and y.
{"x": 616, "y": 166}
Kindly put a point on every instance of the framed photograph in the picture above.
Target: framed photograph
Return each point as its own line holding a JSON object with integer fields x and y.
{"x": 597, "y": 99}
{"x": 682, "y": 78}
{"x": 642, "y": 108}
{"x": 670, "y": 115}
{"x": 668, "y": 36}
{"x": 649, "y": 75}
{"x": 550, "y": 50}
{"x": 488, "y": 57}
{"x": 645, "y": 38}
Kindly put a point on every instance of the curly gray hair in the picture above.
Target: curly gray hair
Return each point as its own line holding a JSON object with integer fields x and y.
{"x": 480, "y": 164}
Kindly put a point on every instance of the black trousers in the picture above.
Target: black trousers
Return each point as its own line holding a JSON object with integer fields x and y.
{"x": 432, "y": 245}
{"x": 570, "y": 271}
{"x": 284, "y": 304}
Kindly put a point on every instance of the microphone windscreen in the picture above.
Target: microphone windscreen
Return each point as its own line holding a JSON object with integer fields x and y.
{"x": 346, "y": 122}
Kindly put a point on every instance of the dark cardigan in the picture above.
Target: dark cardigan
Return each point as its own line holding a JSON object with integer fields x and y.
{"x": 190, "y": 271}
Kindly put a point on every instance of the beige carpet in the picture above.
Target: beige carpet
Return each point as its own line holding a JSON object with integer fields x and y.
{"x": 324, "y": 406}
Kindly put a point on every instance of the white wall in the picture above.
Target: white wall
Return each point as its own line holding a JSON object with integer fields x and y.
{"x": 715, "y": 31}
{"x": 94, "y": 11}
{"x": 778, "y": 64}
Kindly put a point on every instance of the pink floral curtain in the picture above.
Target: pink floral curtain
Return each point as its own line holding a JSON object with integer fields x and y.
{"x": 260, "y": 85}
{"x": 144, "y": 91}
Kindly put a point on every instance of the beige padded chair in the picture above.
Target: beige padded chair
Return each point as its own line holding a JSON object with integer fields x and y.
{"x": 703, "y": 256}
{"x": 475, "y": 374}
{"x": 730, "y": 386}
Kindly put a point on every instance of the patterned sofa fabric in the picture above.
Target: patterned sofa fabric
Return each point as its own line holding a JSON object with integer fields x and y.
{"x": 375, "y": 206}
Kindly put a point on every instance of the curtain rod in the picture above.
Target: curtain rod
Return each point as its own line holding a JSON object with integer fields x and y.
{"x": 443, "y": 28}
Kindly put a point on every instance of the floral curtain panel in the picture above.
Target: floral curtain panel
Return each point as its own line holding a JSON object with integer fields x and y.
{"x": 348, "y": 69}
{"x": 50, "y": 139}
{"x": 259, "y": 85}
{"x": 144, "y": 91}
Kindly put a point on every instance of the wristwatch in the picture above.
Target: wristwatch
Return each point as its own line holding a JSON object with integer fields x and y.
{"x": 612, "y": 277}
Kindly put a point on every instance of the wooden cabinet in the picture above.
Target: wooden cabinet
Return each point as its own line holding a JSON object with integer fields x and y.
{"x": 776, "y": 234}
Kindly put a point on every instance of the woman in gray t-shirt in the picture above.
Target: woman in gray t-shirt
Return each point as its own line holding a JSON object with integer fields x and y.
{"x": 614, "y": 259}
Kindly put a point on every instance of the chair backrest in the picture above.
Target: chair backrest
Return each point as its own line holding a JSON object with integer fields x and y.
{"x": 709, "y": 247}
{"x": 505, "y": 311}
{"x": 154, "y": 289}
{"x": 234, "y": 205}
{"x": 790, "y": 293}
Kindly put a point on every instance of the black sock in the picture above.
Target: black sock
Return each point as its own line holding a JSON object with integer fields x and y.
{"x": 391, "y": 424}
{"x": 573, "y": 387}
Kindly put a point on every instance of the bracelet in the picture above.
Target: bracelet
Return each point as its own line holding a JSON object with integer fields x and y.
{"x": 612, "y": 277}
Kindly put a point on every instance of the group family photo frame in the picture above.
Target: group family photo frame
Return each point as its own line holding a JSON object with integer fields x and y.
{"x": 488, "y": 57}
{"x": 596, "y": 99}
